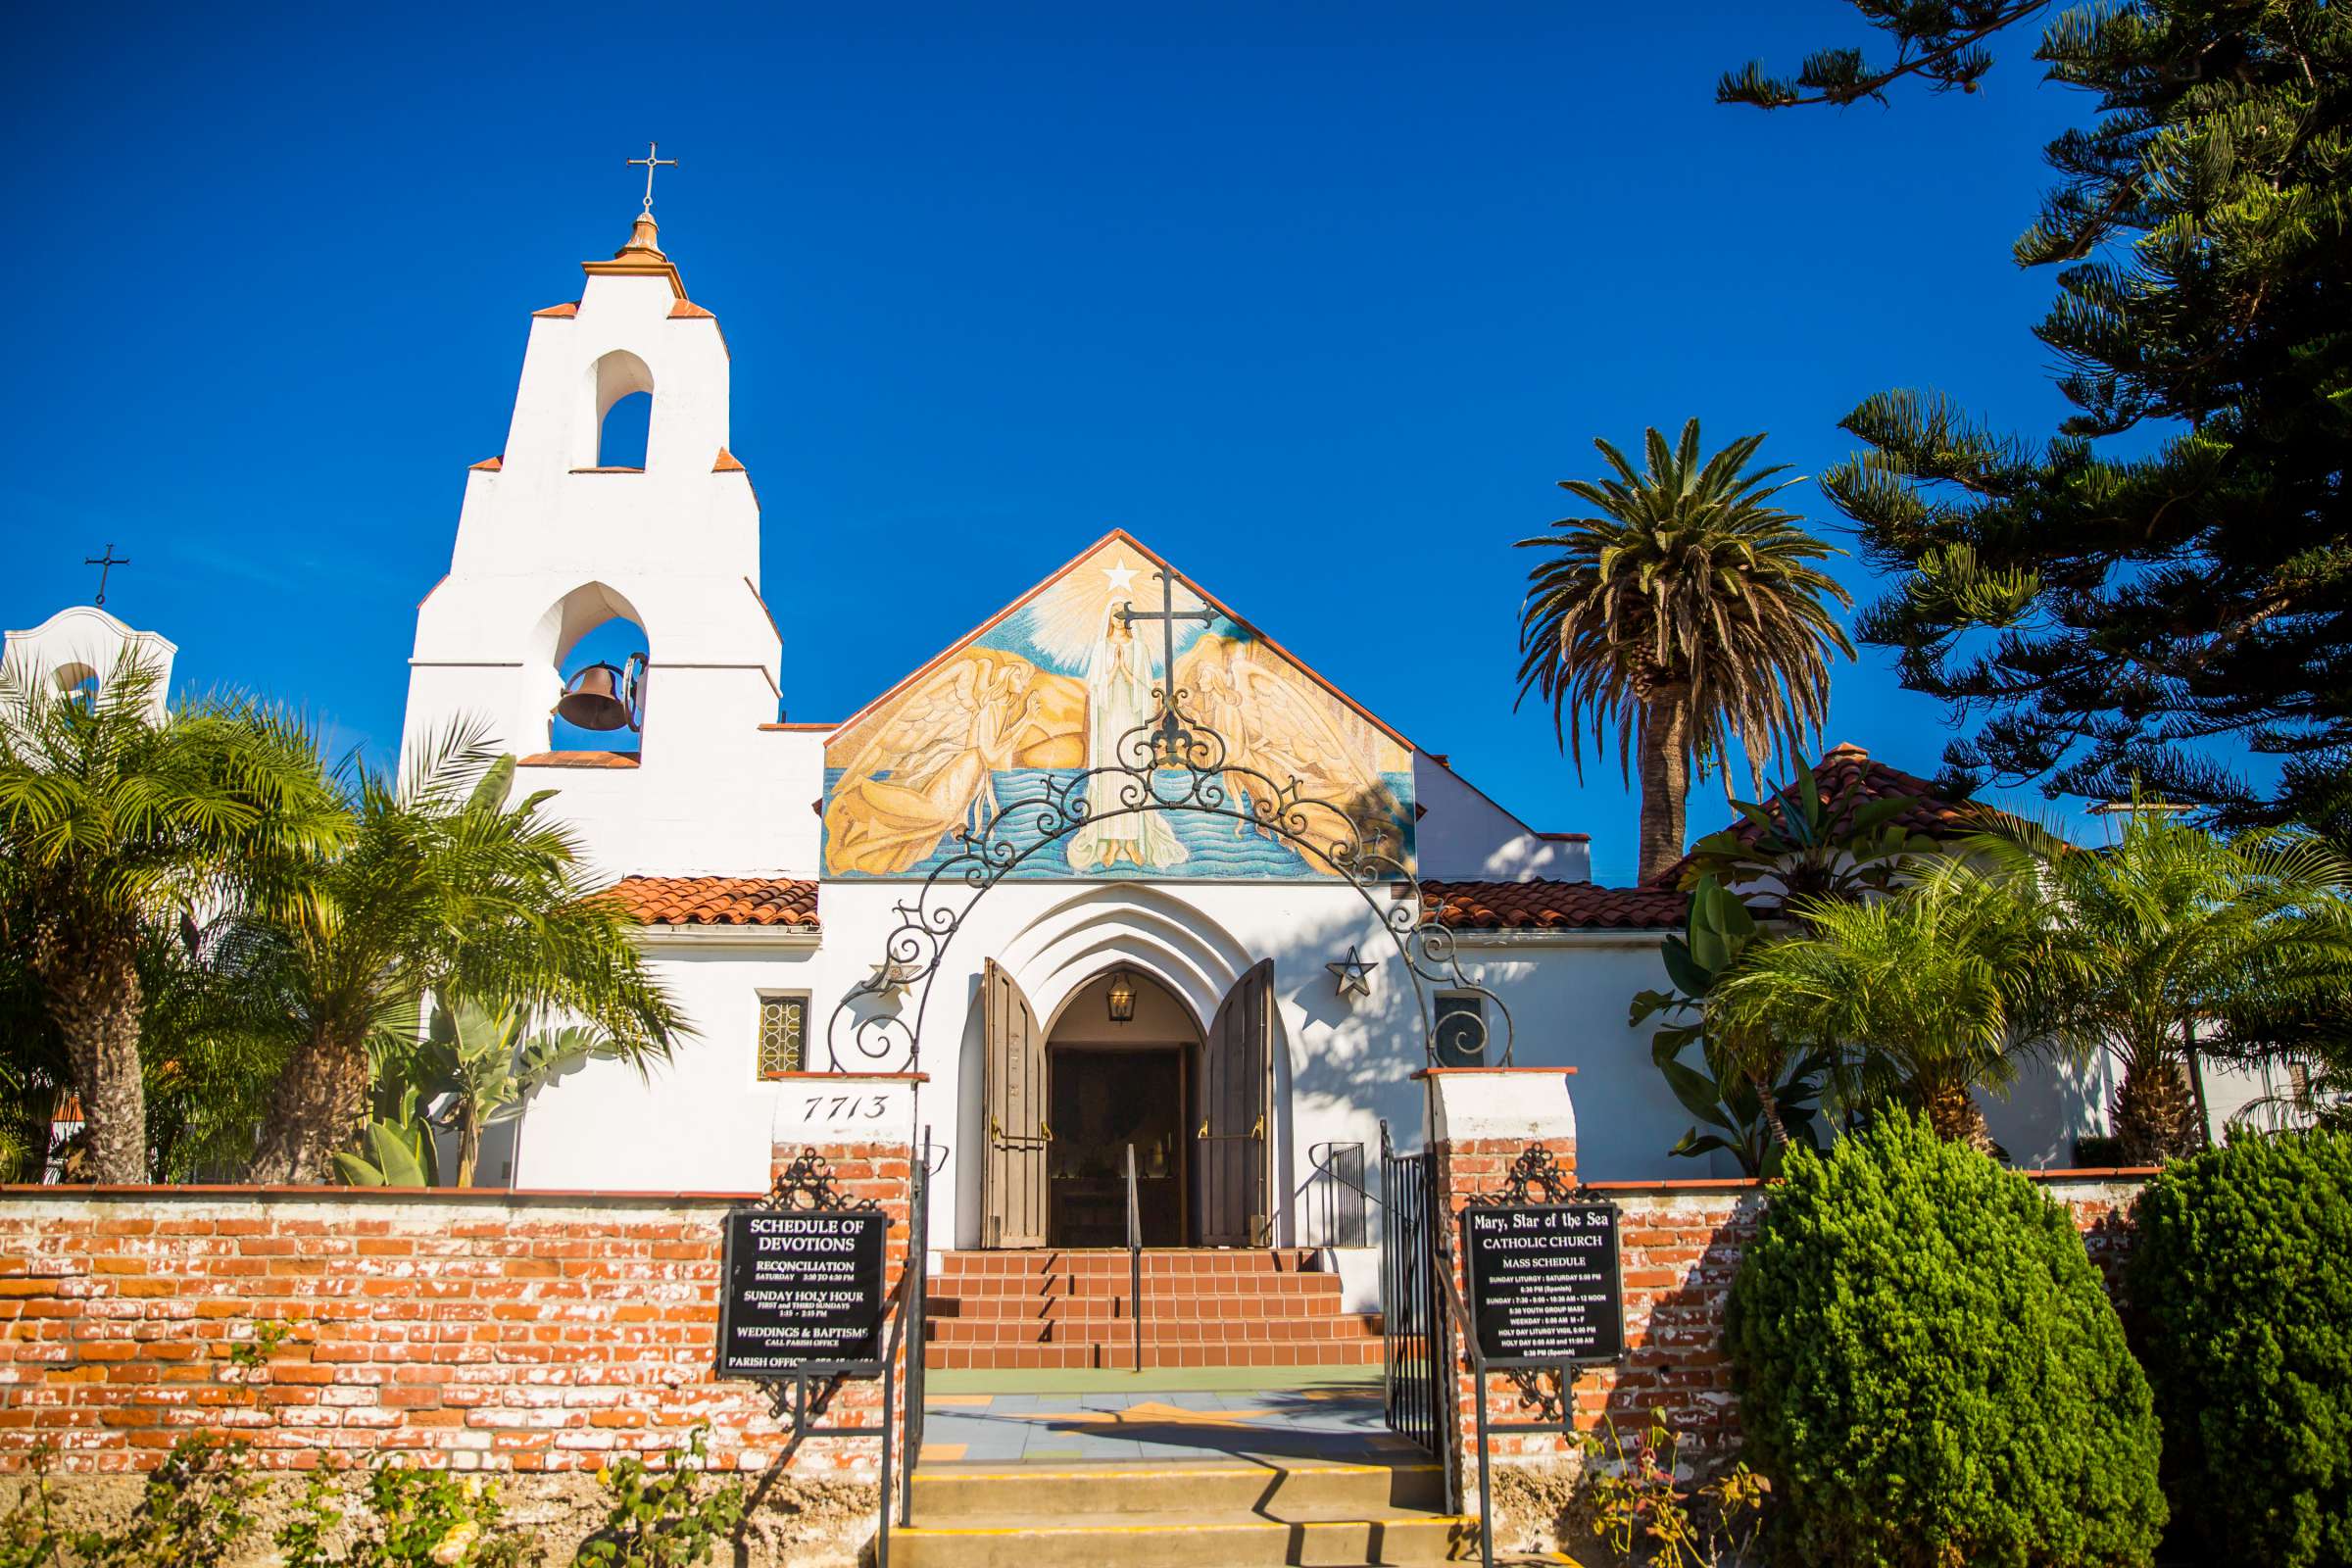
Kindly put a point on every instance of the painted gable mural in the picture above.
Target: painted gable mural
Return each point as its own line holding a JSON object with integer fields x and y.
{"x": 1046, "y": 691}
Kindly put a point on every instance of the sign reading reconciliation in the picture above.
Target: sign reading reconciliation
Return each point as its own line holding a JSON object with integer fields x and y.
{"x": 1543, "y": 1284}
{"x": 801, "y": 1287}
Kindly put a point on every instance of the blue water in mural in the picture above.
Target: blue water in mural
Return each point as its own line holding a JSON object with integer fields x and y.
{"x": 1216, "y": 848}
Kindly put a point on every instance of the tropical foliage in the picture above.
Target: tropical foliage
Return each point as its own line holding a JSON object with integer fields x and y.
{"x": 1809, "y": 842}
{"x": 1759, "y": 1102}
{"x": 2103, "y": 614}
{"x": 449, "y": 889}
{"x": 2149, "y": 943}
{"x": 2241, "y": 1282}
{"x": 1930, "y": 1370}
{"x": 114, "y": 825}
{"x": 1687, "y": 612}
{"x": 1920, "y": 999}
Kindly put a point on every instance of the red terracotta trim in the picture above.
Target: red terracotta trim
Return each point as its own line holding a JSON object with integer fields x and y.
{"x": 570, "y": 308}
{"x": 490, "y": 464}
{"x": 1452, "y": 1072}
{"x": 1731, "y": 1184}
{"x": 1564, "y": 838}
{"x": 578, "y": 760}
{"x": 2094, "y": 1173}
{"x": 837, "y": 1077}
{"x": 804, "y": 729}
{"x": 209, "y": 1191}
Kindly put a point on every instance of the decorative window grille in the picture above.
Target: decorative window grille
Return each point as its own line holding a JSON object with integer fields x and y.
{"x": 783, "y": 1034}
{"x": 1461, "y": 1030}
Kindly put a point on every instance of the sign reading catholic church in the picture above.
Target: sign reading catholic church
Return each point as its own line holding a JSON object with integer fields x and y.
{"x": 1059, "y": 691}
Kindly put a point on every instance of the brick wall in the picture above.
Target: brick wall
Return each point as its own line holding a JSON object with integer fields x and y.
{"x": 481, "y": 1329}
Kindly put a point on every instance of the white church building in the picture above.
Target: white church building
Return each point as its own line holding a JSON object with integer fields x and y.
{"x": 947, "y": 882}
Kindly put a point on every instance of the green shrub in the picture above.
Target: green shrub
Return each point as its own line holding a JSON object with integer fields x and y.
{"x": 2240, "y": 1285}
{"x": 415, "y": 1518}
{"x": 1930, "y": 1372}
{"x": 665, "y": 1518}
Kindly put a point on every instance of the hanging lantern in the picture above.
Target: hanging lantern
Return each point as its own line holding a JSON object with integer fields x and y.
{"x": 1121, "y": 998}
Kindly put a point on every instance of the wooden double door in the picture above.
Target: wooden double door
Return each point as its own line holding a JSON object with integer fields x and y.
{"x": 1228, "y": 1152}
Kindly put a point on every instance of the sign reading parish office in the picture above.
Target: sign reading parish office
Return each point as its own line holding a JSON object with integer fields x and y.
{"x": 801, "y": 1287}
{"x": 1544, "y": 1283}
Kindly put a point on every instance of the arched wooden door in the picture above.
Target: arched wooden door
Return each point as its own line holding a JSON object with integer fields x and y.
{"x": 1014, "y": 1071}
{"x": 1236, "y": 1135}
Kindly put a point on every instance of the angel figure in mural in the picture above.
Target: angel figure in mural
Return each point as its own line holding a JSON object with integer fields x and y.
{"x": 1276, "y": 727}
{"x": 1120, "y": 700}
{"x": 930, "y": 770}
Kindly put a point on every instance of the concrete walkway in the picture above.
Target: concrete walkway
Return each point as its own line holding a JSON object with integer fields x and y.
{"x": 1331, "y": 1420}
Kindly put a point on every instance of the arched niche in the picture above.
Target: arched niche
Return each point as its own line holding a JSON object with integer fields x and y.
{"x": 621, "y": 388}
{"x": 593, "y": 624}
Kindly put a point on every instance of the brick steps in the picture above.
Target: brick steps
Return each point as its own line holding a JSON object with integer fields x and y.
{"x": 1201, "y": 1307}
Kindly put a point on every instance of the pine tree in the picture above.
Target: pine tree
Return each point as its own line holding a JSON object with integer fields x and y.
{"x": 2106, "y": 617}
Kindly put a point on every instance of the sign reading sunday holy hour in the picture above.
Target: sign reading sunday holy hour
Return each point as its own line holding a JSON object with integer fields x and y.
{"x": 1544, "y": 1283}
{"x": 801, "y": 1288}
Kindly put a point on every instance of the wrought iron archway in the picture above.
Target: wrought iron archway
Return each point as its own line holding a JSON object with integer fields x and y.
{"x": 1173, "y": 763}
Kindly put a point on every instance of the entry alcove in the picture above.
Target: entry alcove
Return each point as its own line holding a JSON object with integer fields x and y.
{"x": 1111, "y": 1084}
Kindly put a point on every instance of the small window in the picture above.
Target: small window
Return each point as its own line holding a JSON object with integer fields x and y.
{"x": 783, "y": 1032}
{"x": 1461, "y": 1031}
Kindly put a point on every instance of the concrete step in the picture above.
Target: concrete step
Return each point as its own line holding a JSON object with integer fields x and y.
{"x": 1102, "y": 1287}
{"x": 1300, "y": 1539}
{"x": 1119, "y": 1356}
{"x": 1115, "y": 1261}
{"x": 958, "y": 1494}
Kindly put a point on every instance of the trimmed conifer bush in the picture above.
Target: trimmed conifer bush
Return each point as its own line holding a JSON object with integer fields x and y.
{"x": 2240, "y": 1285}
{"x": 1930, "y": 1372}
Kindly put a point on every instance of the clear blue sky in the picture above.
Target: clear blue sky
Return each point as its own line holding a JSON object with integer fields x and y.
{"x": 1318, "y": 299}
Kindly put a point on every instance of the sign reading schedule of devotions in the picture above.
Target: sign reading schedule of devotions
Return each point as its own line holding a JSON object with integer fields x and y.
{"x": 1545, "y": 1289}
{"x": 800, "y": 1286}
{"x": 1054, "y": 686}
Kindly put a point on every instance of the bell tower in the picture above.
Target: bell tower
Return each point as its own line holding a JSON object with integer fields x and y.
{"x": 575, "y": 524}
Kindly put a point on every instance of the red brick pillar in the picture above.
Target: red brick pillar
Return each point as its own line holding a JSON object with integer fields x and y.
{"x": 1481, "y": 1120}
{"x": 859, "y": 1132}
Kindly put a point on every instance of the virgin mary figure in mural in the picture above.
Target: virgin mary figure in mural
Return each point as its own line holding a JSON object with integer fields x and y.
{"x": 1119, "y": 702}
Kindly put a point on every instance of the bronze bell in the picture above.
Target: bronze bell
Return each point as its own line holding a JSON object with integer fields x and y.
{"x": 601, "y": 695}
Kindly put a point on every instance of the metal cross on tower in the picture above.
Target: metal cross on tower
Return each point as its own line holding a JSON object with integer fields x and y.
{"x": 105, "y": 563}
{"x": 1172, "y": 734}
{"x": 652, "y": 162}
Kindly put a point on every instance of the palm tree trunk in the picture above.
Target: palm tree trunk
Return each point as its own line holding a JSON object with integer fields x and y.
{"x": 1665, "y": 744}
{"x": 2196, "y": 1081}
{"x": 316, "y": 1108}
{"x": 1954, "y": 1114}
{"x": 2154, "y": 1115}
{"x": 90, "y": 978}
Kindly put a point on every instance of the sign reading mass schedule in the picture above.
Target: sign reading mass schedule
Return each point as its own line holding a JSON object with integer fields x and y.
{"x": 799, "y": 1287}
{"x": 1543, "y": 1284}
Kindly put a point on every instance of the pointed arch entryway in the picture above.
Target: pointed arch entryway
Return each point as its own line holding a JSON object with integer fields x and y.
{"x": 1197, "y": 1105}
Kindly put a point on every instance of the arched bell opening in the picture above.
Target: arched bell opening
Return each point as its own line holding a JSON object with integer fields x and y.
{"x": 620, "y": 409}
{"x": 597, "y": 663}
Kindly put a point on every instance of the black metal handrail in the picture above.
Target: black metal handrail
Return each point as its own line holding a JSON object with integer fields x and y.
{"x": 1135, "y": 1259}
{"x": 1319, "y": 1158}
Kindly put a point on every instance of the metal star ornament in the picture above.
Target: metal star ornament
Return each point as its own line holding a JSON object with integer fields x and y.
{"x": 1353, "y": 975}
{"x": 889, "y": 982}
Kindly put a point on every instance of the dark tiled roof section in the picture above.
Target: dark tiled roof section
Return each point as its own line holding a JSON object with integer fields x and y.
{"x": 1842, "y": 768}
{"x": 1551, "y": 906}
{"x": 718, "y": 900}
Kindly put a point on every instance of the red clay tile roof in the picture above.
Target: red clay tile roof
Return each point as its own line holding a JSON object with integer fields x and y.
{"x": 718, "y": 900}
{"x": 1842, "y": 767}
{"x": 1551, "y": 906}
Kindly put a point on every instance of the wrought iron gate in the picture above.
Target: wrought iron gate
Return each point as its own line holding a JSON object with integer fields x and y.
{"x": 1414, "y": 1343}
{"x": 916, "y": 1322}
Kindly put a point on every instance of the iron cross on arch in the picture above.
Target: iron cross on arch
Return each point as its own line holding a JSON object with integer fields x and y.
{"x": 1172, "y": 735}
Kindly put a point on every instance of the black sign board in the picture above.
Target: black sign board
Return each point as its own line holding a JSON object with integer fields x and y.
{"x": 802, "y": 1288}
{"x": 1544, "y": 1283}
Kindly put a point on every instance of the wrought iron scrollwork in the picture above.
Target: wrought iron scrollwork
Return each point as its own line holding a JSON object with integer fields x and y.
{"x": 1175, "y": 762}
{"x": 1536, "y": 1169}
{"x": 807, "y": 1184}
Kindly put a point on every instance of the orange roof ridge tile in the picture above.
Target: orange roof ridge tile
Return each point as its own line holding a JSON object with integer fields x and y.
{"x": 727, "y": 463}
{"x": 687, "y": 309}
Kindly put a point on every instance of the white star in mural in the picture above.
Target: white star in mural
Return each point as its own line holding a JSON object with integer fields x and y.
{"x": 1122, "y": 578}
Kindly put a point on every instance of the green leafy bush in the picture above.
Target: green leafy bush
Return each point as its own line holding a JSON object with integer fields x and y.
{"x": 413, "y": 1517}
{"x": 1930, "y": 1372}
{"x": 667, "y": 1518}
{"x": 2240, "y": 1285}
{"x": 195, "y": 1512}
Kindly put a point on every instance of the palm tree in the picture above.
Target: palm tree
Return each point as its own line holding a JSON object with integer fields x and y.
{"x": 1688, "y": 612}
{"x": 2169, "y": 932}
{"x": 1920, "y": 998}
{"x": 447, "y": 890}
{"x": 114, "y": 821}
